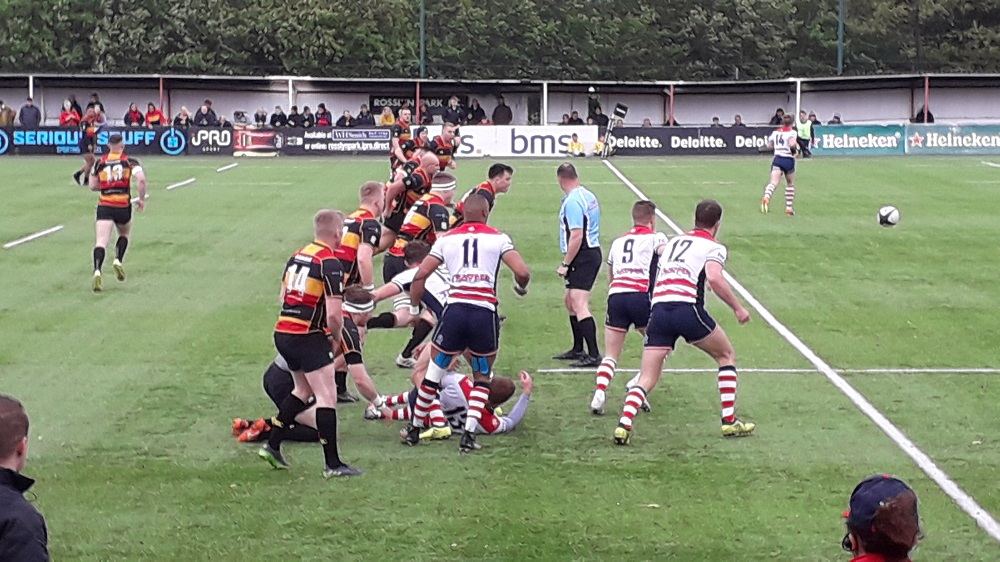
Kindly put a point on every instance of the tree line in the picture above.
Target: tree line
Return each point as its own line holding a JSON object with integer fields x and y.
{"x": 524, "y": 39}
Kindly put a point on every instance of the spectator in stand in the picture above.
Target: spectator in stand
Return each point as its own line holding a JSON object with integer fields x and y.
{"x": 386, "y": 118}
{"x": 225, "y": 123}
{"x": 323, "y": 116}
{"x": 346, "y": 120}
{"x": 813, "y": 119}
{"x": 565, "y": 119}
{"x": 779, "y": 114}
{"x": 365, "y": 117}
{"x": 738, "y": 121}
{"x": 134, "y": 117}
{"x": 23, "y": 537}
{"x": 426, "y": 117}
{"x": 29, "y": 116}
{"x": 405, "y": 105}
{"x": 76, "y": 105}
{"x": 205, "y": 116}
{"x": 502, "y": 115}
{"x": 68, "y": 117}
{"x": 590, "y": 121}
{"x": 183, "y": 119}
{"x": 716, "y": 122}
{"x": 600, "y": 119}
{"x": 278, "y": 118}
{"x": 475, "y": 115}
{"x": 260, "y": 118}
{"x": 574, "y": 118}
{"x": 7, "y": 115}
{"x": 599, "y": 146}
{"x": 454, "y": 112}
{"x": 95, "y": 102}
{"x": 923, "y": 115}
{"x": 836, "y": 120}
{"x": 308, "y": 119}
{"x": 295, "y": 118}
{"x": 239, "y": 117}
{"x": 154, "y": 117}
{"x": 575, "y": 147}
{"x": 646, "y": 123}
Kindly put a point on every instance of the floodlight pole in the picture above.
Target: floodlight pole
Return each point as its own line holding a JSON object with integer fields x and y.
{"x": 423, "y": 40}
{"x": 798, "y": 98}
{"x": 545, "y": 104}
{"x": 841, "y": 9}
{"x": 31, "y": 86}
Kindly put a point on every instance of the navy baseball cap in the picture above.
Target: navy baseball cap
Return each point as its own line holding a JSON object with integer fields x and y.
{"x": 872, "y": 493}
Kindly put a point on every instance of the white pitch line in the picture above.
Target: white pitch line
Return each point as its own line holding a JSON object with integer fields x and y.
{"x": 887, "y": 371}
{"x": 227, "y": 167}
{"x": 136, "y": 199}
{"x": 31, "y": 237}
{"x": 188, "y": 181}
{"x": 982, "y": 517}
{"x": 990, "y": 164}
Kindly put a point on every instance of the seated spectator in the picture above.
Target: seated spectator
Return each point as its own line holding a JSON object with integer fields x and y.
{"x": 475, "y": 115}
{"x": 68, "y": 117}
{"x": 95, "y": 102}
{"x": 836, "y": 120}
{"x": 779, "y": 114}
{"x": 575, "y": 147}
{"x": 923, "y": 117}
{"x": 738, "y": 120}
{"x": 323, "y": 116}
{"x": 29, "y": 116}
{"x": 716, "y": 122}
{"x": 574, "y": 118}
{"x": 386, "y": 118}
{"x": 134, "y": 117}
{"x": 76, "y": 105}
{"x": 346, "y": 120}
{"x": 599, "y": 146}
{"x": 813, "y": 119}
{"x": 600, "y": 119}
{"x": 426, "y": 117}
{"x": 7, "y": 115}
{"x": 590, "y": 121}
{"x": 223, "y": 122}
{"x": 205, "y": 116}
{"x": 260, "y": 118}
{"x": 647, "y": 123}
{"x": 278, "y": 118}
{"x": 883, "y": 521}
{"x": 295, "y": 118}
{"x": 308, "y": 119}
{"x": 565, "y": 119}
{"x": 405, "y": 105}
{"x": 183, "y": 119}
{"x": 502, "y": 115}
{"x": 421, "y": 139}
{"x": 365, "y": 117}
{"x": 154, "y": 117}
{"x": 239, "y": 117}
{"x": 453, "y": 113}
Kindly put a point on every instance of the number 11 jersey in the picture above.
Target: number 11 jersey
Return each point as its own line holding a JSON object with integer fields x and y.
{"x": 472, "y": 254}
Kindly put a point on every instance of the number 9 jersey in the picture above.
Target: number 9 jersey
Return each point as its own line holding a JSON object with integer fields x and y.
{"x": 631, "y": 259}
{"x": 680, "y": 276}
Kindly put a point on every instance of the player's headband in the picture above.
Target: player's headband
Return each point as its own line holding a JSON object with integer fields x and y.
{"x": 444, "y": 186}
{"x": 359, "y": 307}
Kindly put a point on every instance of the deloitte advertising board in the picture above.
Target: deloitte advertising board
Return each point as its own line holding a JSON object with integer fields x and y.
{"x": 667, "y": 141}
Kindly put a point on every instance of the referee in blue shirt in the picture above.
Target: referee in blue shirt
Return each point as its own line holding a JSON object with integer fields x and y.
{"x": 580, "y": 244}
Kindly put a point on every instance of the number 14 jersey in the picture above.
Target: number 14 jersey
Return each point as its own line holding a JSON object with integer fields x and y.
{"x": 472, "y": 254}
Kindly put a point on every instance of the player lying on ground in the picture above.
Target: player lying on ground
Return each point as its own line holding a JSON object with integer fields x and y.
{"x": 456, "y": 389}
{"x": 112, "y": 177}
{"x": 784, "y": 142}
{"x": 678, "y": 309}
{"x": 631, "y": 266}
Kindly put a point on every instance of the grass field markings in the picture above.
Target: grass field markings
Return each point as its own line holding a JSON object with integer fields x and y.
{"x": 136, "y": 198}
{"x": 982, "y": 517}
{"x": 990, "y": 164}
{"x": 31, "y": 237}
{"x": 779, "y": 371}
{"x": 227, "y": 167}
{"x": 173, "y": 186}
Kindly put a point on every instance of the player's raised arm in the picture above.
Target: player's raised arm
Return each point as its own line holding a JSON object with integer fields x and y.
{"x": 427, "y": 267}
{"x": 713, "y": 273}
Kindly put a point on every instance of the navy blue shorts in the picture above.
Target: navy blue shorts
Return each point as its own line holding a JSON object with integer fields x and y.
{"x": 432, "y": 304}
{"x": 671, "y": 320}
{"x": 469, "y": 327}
{"x": 784, "y": 163}
{"x": 626, "y": 310}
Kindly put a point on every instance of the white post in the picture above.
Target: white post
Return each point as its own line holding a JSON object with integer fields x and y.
{"x": 31, "y": 86}
{"x": 798, "y": 98}
{"x": 545, "y": 103}
{"x": 291, "y": 93}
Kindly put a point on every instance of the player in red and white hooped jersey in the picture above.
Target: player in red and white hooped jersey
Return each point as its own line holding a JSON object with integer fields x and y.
{"x": 785, "y": 142}
{"x": 678, "y": 309}
{"x": 631, "y": 263}
{"x": 472, "y": 254}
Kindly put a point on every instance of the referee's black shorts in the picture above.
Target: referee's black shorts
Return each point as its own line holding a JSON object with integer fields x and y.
{"x": 584, "y": 269}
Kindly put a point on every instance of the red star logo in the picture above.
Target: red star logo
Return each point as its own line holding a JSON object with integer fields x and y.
{"x": 916, "y": 140}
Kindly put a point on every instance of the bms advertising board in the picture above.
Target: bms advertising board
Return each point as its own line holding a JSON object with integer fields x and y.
{"x": 663, "y": 141}
{"x": 505, "y": 141}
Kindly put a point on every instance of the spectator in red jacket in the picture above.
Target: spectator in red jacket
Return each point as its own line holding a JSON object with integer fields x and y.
{"x": 154, "y": 117}
{"x": 134, "y": 117}
{"x": 323, "y": 117}
{"x": 68, "y": 117}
